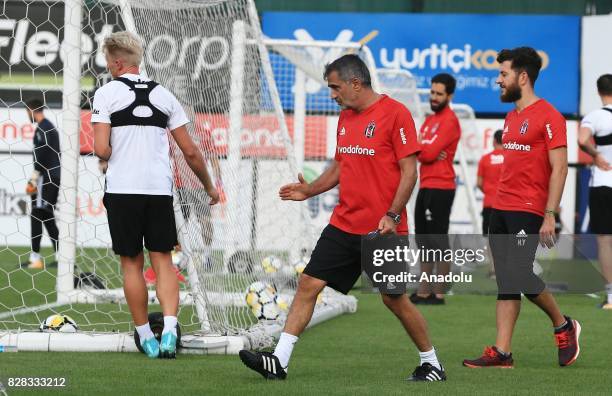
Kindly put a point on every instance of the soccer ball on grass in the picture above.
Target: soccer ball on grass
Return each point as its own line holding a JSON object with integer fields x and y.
{"x": 59, "y": 323}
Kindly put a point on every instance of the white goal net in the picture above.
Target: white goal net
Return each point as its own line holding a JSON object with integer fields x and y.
{"x": 256, "y": 118}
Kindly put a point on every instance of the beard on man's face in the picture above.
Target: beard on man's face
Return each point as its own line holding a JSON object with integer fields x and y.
{"x": 437, "y": 106}
{"x": 512, "y": 94}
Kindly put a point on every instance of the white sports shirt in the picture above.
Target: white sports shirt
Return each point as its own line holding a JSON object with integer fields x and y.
{"x": 140, "y": 160}
{"x": 600, "y": 123}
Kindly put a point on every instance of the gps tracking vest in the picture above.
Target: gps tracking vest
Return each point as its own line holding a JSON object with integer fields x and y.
{"x": 126, "y": 116}
{"x": 604, "y": 140}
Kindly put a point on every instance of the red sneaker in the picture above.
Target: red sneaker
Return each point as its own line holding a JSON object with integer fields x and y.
{"x": 490, "y": 358}
{"x": 567, "y": 342}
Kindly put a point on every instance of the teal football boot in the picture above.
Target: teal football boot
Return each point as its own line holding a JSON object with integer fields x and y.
{"x": 151, "y": 347}
{"x": 167, "y": 348}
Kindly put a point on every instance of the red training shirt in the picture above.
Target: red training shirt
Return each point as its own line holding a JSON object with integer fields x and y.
{"x": 369, "y": 146}
{"x": 440, "y": 131}
{"x": 528, "y": 136}
{"x": 489, "y": 168}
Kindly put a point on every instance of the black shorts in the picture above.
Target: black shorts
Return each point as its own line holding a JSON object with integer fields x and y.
{"x": 336, "y": 259}
{"x": 486, "y": 216}
{"x": 600, "y": 206}
{"x": 46, "y": 194}
{"x": 432, "y": 218}
{"x": 514, "y": 238}
{"x": 134, "y": 217}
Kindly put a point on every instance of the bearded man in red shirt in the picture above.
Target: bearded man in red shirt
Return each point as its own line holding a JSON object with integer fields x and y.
{"x": 440, "y": 134}
{"x": 375, "y": 169}
{"x": 530, "y": 188}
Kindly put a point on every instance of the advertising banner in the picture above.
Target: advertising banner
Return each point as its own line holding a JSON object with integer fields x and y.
{"x": 463, "y": 45}
{"x": 264, "y": 142}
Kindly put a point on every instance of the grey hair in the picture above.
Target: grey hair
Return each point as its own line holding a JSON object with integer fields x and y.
{"x": 349, "y": 67}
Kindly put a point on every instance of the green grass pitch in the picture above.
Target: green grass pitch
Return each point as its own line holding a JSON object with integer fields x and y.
{"x": 364, "y": 353}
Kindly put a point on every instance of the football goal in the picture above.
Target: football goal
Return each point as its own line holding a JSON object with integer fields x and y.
{"x": 260, "y": 113}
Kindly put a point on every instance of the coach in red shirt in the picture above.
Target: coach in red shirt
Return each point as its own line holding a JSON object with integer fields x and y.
{"x": 530, "y": 188}
{"x": 440, "y": 134}
{"x": 489, "y": 172}
{"x": 375, "y": 169}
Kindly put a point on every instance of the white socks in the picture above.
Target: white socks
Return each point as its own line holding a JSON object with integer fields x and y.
{"x": 144, "y": 332}
{"x": 284, "y": 348}
{"x": 431, "y": 358}
{"x": 170, "y": 324}
{"x": 287, "y": 341}
{"x": 609, "y": 292}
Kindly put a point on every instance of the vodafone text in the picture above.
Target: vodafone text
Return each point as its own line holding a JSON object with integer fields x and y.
{"x": 356, "y": 150}
{"x": 517, "y": 146}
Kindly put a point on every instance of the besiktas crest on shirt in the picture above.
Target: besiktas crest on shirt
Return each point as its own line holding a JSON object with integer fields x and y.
{"x": 524, "y": 127}
{"x": 369, "y": 131}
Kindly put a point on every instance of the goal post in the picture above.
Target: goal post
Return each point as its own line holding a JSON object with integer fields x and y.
{"x": 468, "y": 164}
{"x": 465, "y": 212}
{"x": 71, "y": 109}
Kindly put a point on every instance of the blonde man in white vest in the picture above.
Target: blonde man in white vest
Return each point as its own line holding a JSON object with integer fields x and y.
{"x": 131, "y": 117}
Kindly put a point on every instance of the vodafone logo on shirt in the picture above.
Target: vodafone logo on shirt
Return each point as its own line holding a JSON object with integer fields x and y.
{"x": 517, "y": 146}
{"x": 356, "y": 150}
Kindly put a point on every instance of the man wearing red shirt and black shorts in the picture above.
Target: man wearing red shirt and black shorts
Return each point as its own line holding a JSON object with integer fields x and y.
{"x": 440, "y": 134}
{"x": 375, "y": 168}
{"x": 489, "y": 172}
{"x": 530, "y": 188}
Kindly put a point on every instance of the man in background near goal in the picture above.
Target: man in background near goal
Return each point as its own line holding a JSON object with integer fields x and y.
{"x": 529, "y": 192}
{"x": 439, "y": 136}
{"x": 375, "y": 168}
{"x": 489, "y": 171}
{"x": 598, "y": 125}
{"x": 131, "y": 115}
{"x": 191, "y": 194}
{"x": 44, "y": 184}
